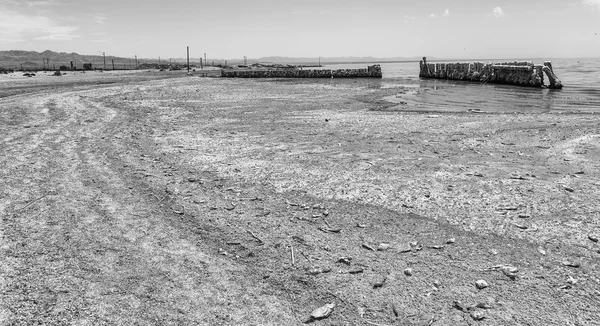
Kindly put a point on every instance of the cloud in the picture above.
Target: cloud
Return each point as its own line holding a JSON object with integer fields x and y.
{"x": 19, "y": 27}
{"x": 498, "y": 12}
{"x": 99, "y": 18}
{"x": 432, "y": 16}
{"x": 593, "y": 3}
{"x": 59, "y": 33}
{"x": 446, "y": 13}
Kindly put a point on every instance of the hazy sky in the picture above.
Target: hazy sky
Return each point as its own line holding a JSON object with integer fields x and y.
{"x": 305, "y": 28}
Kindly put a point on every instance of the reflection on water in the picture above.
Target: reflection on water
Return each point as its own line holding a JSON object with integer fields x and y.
{"x": 581, "y": 92}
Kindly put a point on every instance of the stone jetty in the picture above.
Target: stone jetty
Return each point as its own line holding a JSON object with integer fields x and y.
{"x": 370, "y": 72}
{"x": 520, "y": 73}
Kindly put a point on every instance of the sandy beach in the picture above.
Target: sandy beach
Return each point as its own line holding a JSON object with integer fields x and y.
{"x": 160, "y": 198}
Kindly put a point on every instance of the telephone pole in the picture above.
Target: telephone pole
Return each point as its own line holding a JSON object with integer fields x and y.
{"x": 136, "y": 62}
{"x": 104, "y": 55}
{"x": 188, "y": 59}
{"x": 205, "y": 62}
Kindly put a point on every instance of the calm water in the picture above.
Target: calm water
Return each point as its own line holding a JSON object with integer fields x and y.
{"x": 580, "y": 77}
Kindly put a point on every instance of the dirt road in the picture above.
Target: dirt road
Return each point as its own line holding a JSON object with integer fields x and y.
{"x": 231, "y": 202}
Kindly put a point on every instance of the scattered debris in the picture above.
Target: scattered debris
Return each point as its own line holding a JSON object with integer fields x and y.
{"x": 383, "y": 247}
{"x": 437, "y": 247}
{"x": 459, "y": 305}
{"x": 541, "y": 250}
{"x": 481, "y": 284}
{"x": 477, "y": 315}
{"x": 367, "y": 246}
{"x": 345, "y": 260}
{"x": 380, "y": 283}
{"x": 321, "y": 312}
{"x": 329, "y": 230}
{"x": 571, "y": 264}
{"x": 255, "y": 236}
{"x": 404, "y": 248}
{"x": 356, "y": 270}
{"x": 319, "y": 270}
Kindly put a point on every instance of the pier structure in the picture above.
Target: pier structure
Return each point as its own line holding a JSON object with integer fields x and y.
{"x": 521, "y": 73}
{"x": 373, "y": 71}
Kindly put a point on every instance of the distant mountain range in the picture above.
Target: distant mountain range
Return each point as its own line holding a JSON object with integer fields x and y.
{"x": 52, "y": 60}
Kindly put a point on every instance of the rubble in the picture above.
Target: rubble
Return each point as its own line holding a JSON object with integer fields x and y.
{"x": 520, "y": 73}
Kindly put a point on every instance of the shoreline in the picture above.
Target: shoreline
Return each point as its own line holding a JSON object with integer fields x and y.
{"x": 183, "y": 199}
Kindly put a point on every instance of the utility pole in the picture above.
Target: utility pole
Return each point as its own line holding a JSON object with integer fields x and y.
{"x": 201, "y": 65}
{"x": 245, "y": 61}
{"x": 205, "y": 62}
{"x": 319, "y": 61}
{"x": 104, "y": 55}
{"x": 188, "y": 59}
{"x": 136, "y": 62}
{"x": 113, "y": 64}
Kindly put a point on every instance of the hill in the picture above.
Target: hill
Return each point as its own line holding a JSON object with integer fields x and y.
{"x": 29, "y": 59}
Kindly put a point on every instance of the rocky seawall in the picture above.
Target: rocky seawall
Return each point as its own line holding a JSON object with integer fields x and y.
{"x": 370, "y": 72}
{"x": 520, "y": 73}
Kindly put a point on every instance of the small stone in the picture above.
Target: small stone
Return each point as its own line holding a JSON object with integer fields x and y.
{"x": 383, "y": 247}
{"x": 477, "y": 315}
{"x": 459, "y": 305}
{"x": 408, "y": 272}
{"x": 356, "y": 270}
{"x": 345, "y": 260}
{"x": 571, "y": 264}
{"x": 322, "y": 312}
{"x": 569, "y": 189}
{"x": 404, "y": 248}
{"x": 572, "y": 280}
{"x": 437, "y": 284}
{"x": 541, "y": 250}
{"x": 593, "y": 237}
{"x": 481, "y": 284}
{"x": 450, "y": 241}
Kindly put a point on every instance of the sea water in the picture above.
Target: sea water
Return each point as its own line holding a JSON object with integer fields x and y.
{"x": 580, "y": 78}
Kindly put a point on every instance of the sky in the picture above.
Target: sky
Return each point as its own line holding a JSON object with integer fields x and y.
{"x": 232, "y": 29}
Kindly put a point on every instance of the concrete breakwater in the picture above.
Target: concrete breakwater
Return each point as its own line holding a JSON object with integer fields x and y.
{"x": 370, "y": 72}
{"x": 521, "y": 73}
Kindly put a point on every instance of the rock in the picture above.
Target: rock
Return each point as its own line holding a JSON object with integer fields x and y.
{"x": 481, "y": 284}
{"x": 322, "y": 312}
{"x": 345, "y": 260}
{"x": 477, "y": 315}
{"x": 319, "y": 270}
{"x": 459, "y": 305}
{"x": 404, "y": 248}
{"x": 541, "y": 250}
{"x": 569, "y": 189}
{"x": 408, "y": 272}
{"x": 450, "y": 241}
{"x": 510, "y": 271}
{"x": 593, "y": 237}
{"x": 571, "y": 264}
{"x": 356, "y": 270}
{"x": 379, "y": 283}
{"x": 383, "y": 247}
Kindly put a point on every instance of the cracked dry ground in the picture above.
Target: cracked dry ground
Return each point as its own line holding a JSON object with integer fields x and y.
{"x": 181, "y": 201}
